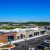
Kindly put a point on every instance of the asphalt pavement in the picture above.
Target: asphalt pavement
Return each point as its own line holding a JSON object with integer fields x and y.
{"x": 30, "y": 43}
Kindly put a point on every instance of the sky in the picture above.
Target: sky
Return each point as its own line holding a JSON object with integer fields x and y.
{"x": 24, "y": 10}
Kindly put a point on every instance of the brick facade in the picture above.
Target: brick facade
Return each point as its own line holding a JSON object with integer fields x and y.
{"x": 4, "y": 37}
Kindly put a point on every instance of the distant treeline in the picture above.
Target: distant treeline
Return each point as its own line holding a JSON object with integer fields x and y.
{"x": 20, "y": 25}
{"x": 25, "y": 23}
{"x": 40, "y": 23}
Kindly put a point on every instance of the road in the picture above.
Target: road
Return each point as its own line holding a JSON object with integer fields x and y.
{"x": 30, "y": 43}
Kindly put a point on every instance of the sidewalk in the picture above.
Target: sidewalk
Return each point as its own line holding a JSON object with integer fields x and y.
{"x": 20, "y": 40}
{"x": 5, "y": 49}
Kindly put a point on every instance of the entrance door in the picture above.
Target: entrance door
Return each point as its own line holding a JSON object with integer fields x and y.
{"x": 21, "y": 36}
{"x": 10, "y": 38}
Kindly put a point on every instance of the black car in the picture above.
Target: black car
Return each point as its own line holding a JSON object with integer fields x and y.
{"x": 42, "y": 45}
{"x": 16, "y": 44}
{"x": 45, "y": 44}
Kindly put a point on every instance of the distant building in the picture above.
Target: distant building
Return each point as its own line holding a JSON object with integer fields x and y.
{"x": 4, "y": 24}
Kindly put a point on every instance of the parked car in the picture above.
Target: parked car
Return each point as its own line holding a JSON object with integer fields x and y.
{"x": 42, "y": 45}
{"x": 16, "y": 44}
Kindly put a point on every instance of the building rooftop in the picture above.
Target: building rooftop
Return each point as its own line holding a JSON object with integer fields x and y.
{"x": 21, "y": 29}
